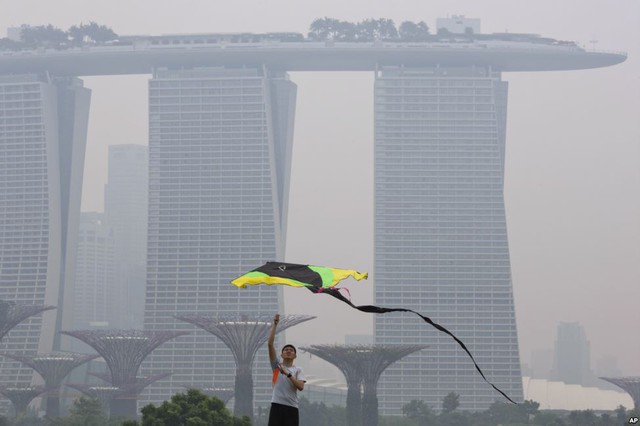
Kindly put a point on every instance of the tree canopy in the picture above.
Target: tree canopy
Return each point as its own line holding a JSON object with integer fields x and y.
{"x": 419, "y": 412}
{"x": 190, "y": 409}
{"x": 48, "y": 36}
{"x": 84, "y": 412}
{"x": 450, "y": 402}
{"x": 91, "y": 32}
{"x": 331, "y": 29}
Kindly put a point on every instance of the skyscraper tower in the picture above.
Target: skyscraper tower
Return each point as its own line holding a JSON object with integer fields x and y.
{"x": 126, "y": 195}
{"x": 219, "y": 161}
{"x": 440, "y": 233}
{"x": 42, "y": 144}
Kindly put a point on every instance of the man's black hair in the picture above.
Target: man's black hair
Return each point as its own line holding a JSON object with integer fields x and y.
{"x": 295, "y": 351}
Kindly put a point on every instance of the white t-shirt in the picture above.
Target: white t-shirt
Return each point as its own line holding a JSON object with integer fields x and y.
{"x": 284, "y": 392}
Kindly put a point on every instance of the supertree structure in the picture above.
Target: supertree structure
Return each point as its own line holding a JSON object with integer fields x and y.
{"x": 135, "y": 385}
{"x": 21, "y": 396}
{"x": 124, "y": 351}
{"x": 374, "y": 360}
{"x": 134, "y": 389}
{"x": 107, "y": 393}
{"x": 362, "y": 366}
{"x": 347, "y": 360}
{"x": 104, "y": 376}
{"x": 53, "y": 368}
{"x": 12, "y": 314}
{"x": 630, "y": 385}
{"x": 243, "y": 335}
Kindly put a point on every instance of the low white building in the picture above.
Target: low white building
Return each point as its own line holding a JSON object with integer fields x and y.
{"x": 561, "y": 396}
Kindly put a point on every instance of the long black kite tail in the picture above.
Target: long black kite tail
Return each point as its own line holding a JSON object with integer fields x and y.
{"x": 381, "y": 310}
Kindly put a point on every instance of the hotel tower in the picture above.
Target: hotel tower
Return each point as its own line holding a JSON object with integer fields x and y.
{"x": 440, "y": 234}
{"x": 43, "y": 130}
{"x": 219, "y": 164}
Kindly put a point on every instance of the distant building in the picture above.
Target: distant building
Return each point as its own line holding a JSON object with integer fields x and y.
{"x": 219, "y": 163}
{"x": 458, "y": 24}
{"x": 42, "y": 144}
{"x": 126, "y": 197}
{"x": 94, "y": 295}
{"x": 572, "y": 355}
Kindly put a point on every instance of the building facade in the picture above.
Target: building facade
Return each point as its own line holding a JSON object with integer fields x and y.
{"x": 219, "y": 164}
{"x": 126, "y": 197}
{"x": 94, "y": 295}
{"x": 43, "y": 125}
{"x": 440, "y": 234}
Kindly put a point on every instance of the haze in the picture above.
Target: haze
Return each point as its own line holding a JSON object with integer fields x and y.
{"x": 572, "y": 183}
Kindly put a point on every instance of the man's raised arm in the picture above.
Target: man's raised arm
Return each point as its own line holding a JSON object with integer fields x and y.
{"x": 272, "y": 337}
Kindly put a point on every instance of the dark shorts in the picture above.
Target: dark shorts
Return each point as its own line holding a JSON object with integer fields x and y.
{"x": 283, "y": 415}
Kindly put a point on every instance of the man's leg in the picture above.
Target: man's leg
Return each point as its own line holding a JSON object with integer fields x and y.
{"x": 274, "y": 418}
{"x": 291, "y": 416}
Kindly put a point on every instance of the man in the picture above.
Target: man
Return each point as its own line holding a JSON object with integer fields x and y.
{"x": 287, "y": 381}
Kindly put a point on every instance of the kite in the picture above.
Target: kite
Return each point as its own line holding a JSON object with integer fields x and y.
{"x": 320, "y": 279}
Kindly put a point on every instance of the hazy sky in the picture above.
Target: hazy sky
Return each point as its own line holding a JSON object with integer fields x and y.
{"x": 572, "y": 185}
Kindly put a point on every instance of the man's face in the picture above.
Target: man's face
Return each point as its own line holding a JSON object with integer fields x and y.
{"x": 288, "y": 353}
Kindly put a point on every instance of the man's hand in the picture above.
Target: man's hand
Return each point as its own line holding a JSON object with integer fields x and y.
{"x": 276, "y": 319}
{"x": 283, "y": 370}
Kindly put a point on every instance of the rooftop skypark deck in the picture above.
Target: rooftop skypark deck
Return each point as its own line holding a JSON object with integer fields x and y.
{"x": 292, "y": 52}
